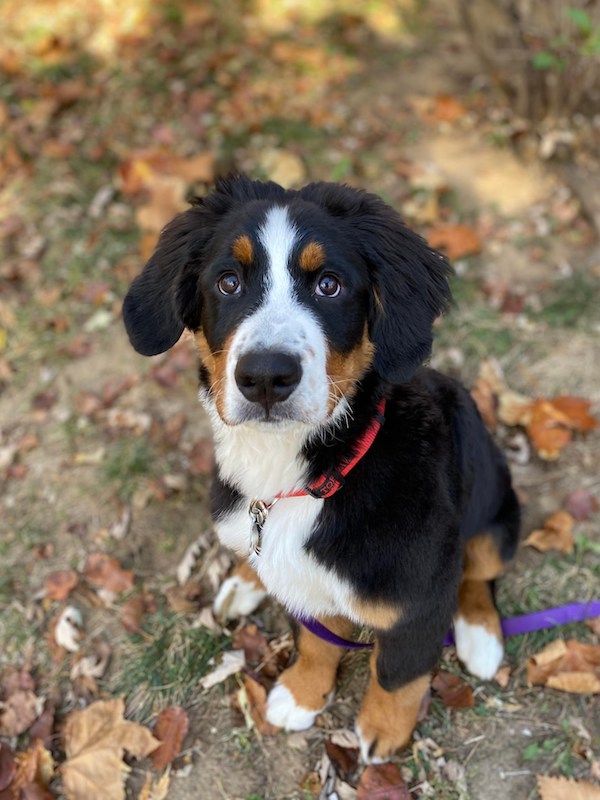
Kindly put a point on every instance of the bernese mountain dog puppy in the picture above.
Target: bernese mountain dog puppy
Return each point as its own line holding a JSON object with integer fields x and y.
{"x": 312, "y": 313}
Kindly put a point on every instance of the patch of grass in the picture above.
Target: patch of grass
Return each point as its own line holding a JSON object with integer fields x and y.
{"x": 163, "y": 664}
{"x": 128, "y": 461}
{"x": 571, "y": 301}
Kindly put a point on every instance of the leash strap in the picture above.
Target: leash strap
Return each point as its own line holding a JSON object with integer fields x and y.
{"x": 514, "y": 626}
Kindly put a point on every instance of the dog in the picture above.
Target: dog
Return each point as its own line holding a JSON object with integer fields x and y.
{"x": 359, "y": 487}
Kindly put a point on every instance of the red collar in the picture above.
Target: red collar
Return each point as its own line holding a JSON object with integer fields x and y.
{"x": 328, "y": 483}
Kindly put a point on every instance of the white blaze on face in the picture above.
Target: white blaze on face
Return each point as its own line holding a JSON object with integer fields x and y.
{"x": 281, "y": 324}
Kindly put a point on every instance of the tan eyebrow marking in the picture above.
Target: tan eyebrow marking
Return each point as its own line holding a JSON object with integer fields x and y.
{"x": 312, "y": 257}
{"x": 242, "y": 250}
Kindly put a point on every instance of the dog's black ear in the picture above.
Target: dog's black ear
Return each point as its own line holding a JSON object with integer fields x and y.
{"x": 410, "y": 290}
{"x": 164, "y": 298}
{"x": 409, "y": 279}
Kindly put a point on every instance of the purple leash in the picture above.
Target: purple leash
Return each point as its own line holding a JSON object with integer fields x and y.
{"x": 514, "y": 626}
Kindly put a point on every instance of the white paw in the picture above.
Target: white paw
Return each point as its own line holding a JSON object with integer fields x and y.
{"x": 478, "y": 649}
{"x": 283, "y": 712}
{"x": 365, "y": 746}
{"x": 236, "y": 598}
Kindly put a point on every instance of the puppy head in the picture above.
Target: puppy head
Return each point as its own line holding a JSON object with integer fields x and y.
{"x": 292, "y": 296}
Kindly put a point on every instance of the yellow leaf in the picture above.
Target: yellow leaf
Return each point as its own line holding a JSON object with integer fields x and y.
{"x": 557, "y": 534}
{"x": 575, "y": 682}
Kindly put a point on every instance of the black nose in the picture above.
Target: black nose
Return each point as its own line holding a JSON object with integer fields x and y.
{"x": 267, "y": 377}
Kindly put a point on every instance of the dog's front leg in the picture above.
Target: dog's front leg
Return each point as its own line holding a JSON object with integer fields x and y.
{"x": 387, "y": 718}
{"x": 239, "y": 594}
{"x": 305, "y": 688}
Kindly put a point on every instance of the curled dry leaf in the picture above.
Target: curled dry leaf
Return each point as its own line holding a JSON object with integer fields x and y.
{"x": 557, "y": 534}
{"x": 155, "y": 790}
{"x": 171, "y": 729}
{"x": 382, "y": 782}
{"x": 93, "y": 666}
{"x": 7, "y": 766}
{"x": 107, "y": 573}
{"x": 19, "y": 711}
{"x": 570, "y": 666}
{"x": 566, "y": 789}
{"x": 58, "y": 585}
{"x": 252, "y": 701}
{"x": 95, "y": 741}
{"x": 231, "y": 662}
{"x": 454, "y": 692}
{"x": 456, "y": 241}
{"x": 69, "y": 629}
{"x": 344, "y": 760}
{"x": 35, "y": 769}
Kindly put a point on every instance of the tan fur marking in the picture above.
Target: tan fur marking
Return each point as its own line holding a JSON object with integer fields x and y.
{"x": 242, "y": 250}
{"x": 481, "y": 558}
{"x": 345, "y": 370}
{"x": 476, "y": 606}
{"x": 215, "y": 364}
{"x": 312, "y": 257}
{"x": 387, "y": 719}
{"x": 312, "y": 678}
{"x": 381, "y": 616}
{"x": 246, "y": 573}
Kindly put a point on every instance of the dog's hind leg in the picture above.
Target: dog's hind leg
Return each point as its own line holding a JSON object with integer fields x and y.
{"x": 477, "y": 630}
{"x": 305, "y": 688}
{"x": 239, "y": 594}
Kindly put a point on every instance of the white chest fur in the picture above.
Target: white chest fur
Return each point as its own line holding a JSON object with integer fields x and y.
{"x": 289, "y": 573}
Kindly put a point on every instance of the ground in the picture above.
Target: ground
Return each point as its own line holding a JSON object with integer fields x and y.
{"x": 101, "y": 450}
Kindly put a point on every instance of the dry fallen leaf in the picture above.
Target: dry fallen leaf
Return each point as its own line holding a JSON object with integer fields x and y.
{"x": 252, "y": 702}
{"x": 570, "y": 666}
{"x": 19, "y": 711}
{"x": 58, "y": 585}
{"x": 7, "y": 766}
{"x": 105, "y": 572}
{"x": 231, "y": 662}
{"x": 566, "y": 789}
{"x": 453, "y": 691}
{"x": 69, "y": 628}
{"x": 382, "y": 782}
{"x": 171, "y": 729}
{"x": 557, "y": 534}
{"x": 35, "y": 769}
{"x": 456, "y": 241}
{"x": 446, "y": 109}
{"x": 95, "y": 741}
{"x": 155, "y": 790}
{"x": 581, "y": 504}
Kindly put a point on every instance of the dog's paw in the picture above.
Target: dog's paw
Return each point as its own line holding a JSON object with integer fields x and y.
{"x": 237, "y": 597}
{"x": 479, "y": 649}
{"x": 377, "y": 745}
{"x": 284, "y": 712}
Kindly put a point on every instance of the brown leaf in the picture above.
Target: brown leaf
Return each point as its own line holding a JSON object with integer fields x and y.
{"x": 576, "y": 411}
{"x": 58, "y": 585}
{"x": 7, "y": 766}
{"x": 557, "y": 534}
{"x": 15, "y": 679}
{"x": 43, "y": 727}
{"x": 446, "y": 109}
{"x": 256, "y": 695}
{"x": 171, "y": 729}
{"x": 453, "y": 691}
{"x": 117, "y": 387}
{"x": 165, "y": 375}
{"x": 483, "y": 395}
{"x": 344, "y": 760}
{"x": 566, "y": 789}
{"x": 106, "y": 572}
{"x": 547, "y": 429}
{"x": 201, "y": 457}
{"x": 132, "y": 612}
{"x": 581, "y": 504}
{"x": 20, "y": 709}
{"x": 43, "y": 401}
{"x": 253, "y": 642}
{"x": 562, "y": 665}
{"x": 382, "y": 782}
{"x": 95, "y": 740}
{"x": 456, "y": 241}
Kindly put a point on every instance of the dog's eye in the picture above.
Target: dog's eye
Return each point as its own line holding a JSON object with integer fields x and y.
{"x": 328, "y": 286}
{"x": 229, "y": 283}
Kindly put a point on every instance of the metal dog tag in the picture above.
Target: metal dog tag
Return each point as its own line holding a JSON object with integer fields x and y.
{"x": 259, "y": 511}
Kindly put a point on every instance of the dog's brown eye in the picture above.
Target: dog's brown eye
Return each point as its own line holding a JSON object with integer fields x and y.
{"x": 229, "y": 283}
{"x": 328, "y": 286}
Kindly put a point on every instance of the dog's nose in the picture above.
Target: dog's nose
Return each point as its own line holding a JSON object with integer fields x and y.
{"x": 267, "y": 377}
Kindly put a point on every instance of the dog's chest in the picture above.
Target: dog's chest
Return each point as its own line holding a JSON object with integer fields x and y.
{"x": 289, "y": 573}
